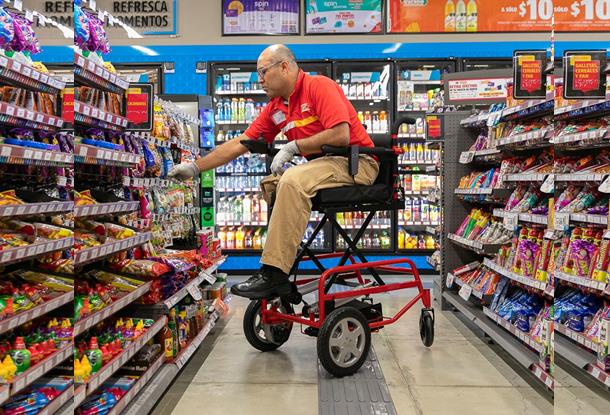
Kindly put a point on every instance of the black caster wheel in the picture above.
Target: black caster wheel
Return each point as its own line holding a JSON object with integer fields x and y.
{"x": 344, "y": 341}
{"x": 266, "y": 337}
{"x": 426, "y": 327}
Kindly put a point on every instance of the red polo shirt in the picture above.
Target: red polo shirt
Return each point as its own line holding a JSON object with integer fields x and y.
{"x": 316, "y": 104}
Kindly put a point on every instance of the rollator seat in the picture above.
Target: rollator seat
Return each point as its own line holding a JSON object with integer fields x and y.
{"x": 350, "y": 195}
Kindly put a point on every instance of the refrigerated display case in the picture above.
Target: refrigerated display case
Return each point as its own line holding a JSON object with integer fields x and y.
{"x": 419, "y": 90}
{"x": 241, "y": 211}
{"x": 368, "y": 85}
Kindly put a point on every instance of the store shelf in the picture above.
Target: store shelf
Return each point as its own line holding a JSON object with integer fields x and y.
{"x": 374, "y": 99}
{"x": 530, "y": 282}
{"x": 583, "y": 108}
{"x": 23, "y": 317}
{"x": 597, "y": 134}
{"x": 244, "y": 93}
{"x": 240, "y": 223}
{"x": 144, "y": 402}
{"x": 96, "y": 155}
{"x": 56, "y": 405}
{"x": 479, "y": 156}
{"x": 588, "y": 218}
{"x": 137, "y": 387}
{"x": 514, "y": 347}
{"x": 84, "y": 324}
{"x": 5, "y": 393}
{"x": 96, "y": 253}
{"x": 417, "y": 192}
{"x": 26, "y": 378}
{"x": 22, "y": 117}
{"x": 475, "y": 120}
{"x": 94, "y": 117}
{"x": 412, "y": 136}
{"x": 581, "y": 177}
{"x": 522, "y": 217}
{"x": 11, "y": 154}
{"x": 238, "y": 190}
{"x": 371, "y": 226}
{"x": 24, "y": 76}
{"x": 524, "y": 337}
{"x": 420, "y": 223}
{"x": 232, "y": 122}
{"x": 105, "y": 208}
{"x": 599, "y": 374}
{"x": 543, "y": 376}
{"x": 39, "y": 247}
{"x": 484, "y": 191}
{"x": 597, "y": 286}
{"x": 579, "y": 338}
{"x": 475, "y": 246}
{"x": 523, "y": 138}
{"x": 433, "y": 265}
{"x": 35, "y": 208}
{"x": 529, "y": 109}
{"x": 192, "y": 285}
{"x": 525, "y": 177}
{"x": 91, "y": 73}
{"x": 98, "y": 378}
{"x": 478, "y": 294}
{"x": 146, "y": 182}
{"x": 244, "y": 173}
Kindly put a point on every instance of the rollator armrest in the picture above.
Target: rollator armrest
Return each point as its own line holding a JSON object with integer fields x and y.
{"x": 259, "y": 147}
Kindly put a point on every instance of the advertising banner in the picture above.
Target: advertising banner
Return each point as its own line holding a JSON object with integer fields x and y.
{"x": 447, "y": 16}
{"x": 260, "y": 17}
{"x": 343, "y": 16}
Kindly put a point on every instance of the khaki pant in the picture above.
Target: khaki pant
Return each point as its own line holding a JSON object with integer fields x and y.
{"x": 293, "y": 193}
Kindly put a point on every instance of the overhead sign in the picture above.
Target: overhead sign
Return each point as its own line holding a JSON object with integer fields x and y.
{"x": 343, "y": 16}
{"x": 583, "y": 74}
{"x": 260, "y": 17}
{"x": 447, "y": 16}
{"x": 529, "y": 78}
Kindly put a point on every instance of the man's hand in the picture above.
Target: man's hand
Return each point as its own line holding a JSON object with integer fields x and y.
{"x": 285, "y": 154}
{"x": 184, "y": 171}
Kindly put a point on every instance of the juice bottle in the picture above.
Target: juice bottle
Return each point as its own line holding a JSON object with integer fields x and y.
{"x": 247, "y": 209}
{"x": 241, "y": 110}
{"x": 383, "y": 122}
{"x": 173, "y": 328}
{"x": 460, "y": 16}
{"x": 376, "y": 127}
{"x": 231, "y": 239}
{"x": 256, "y": 239}
{"x": 248, "y": 239}
{"x": 401, "y": 238}
{"x": 234, "y": 109}
{"x": 239, "y": 238}
{"x": 449, "y": 16}
{"x": 471, "y": 16}
{"x": 222, "y": 236}
{"x": 420, "y": 153}
{"x": 361, "y": 116}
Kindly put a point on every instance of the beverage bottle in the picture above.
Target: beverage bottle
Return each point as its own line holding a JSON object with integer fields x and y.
{"x": 320, "y": 240}
{"x": 218, "y": 83}
{"x": 471, "y": 16}
{"x": 256, "y": 239}
{"x": 308, "y": 232}
{"x": 173, "y": 328}
{"x": 227, "y": 112}
{"x": 94, "y": 355}
{"x": 234, "y": 110}
{"x": 401, "y": 238}
{"x": 420, "y": 153}
{"x": 247, "y": 209}
{"x": 375, "y": 122}
{"x": 450, "y": 16}
{"x": 248, "y": 239}
{"x": 263, "y": 237}
{"x": 360, "y": 90}
{"x": 361, "y": 116}
{"x": 239, "y": 87}
{"x": 237, "y": 208}
{"x": 383, "y": 122}
{"x": 263, "y": 210}
{"x": 229, "y": 135}
{"x": 385, "y": 240}
{"x": 239, "y": 238}
{"x": 408, "y": 215}
{"x": 241, "y": 110}
{"x": 368, "y": 121}
{"x": 231, "y": 238}
{"x": 413, "y": 152}
{"x": 220, "y": 137}
{"x": 222, "y": 236}
{"x": 255, "y": 217}
{"x": 460, "y": 16}
{"x": 341, "y": 218}
{"x": 250, "y": 110}
{"x": 220, "y": 111}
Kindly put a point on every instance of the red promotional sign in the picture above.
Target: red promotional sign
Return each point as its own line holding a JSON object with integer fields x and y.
{"x": 67, "y": 107}
{"x": 531, "y": 75}
{"x": 586, "y": 75}
{"x": 137, "y": 108}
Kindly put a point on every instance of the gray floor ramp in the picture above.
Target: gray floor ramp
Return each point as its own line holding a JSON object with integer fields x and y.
{"x": 365, "y": 393}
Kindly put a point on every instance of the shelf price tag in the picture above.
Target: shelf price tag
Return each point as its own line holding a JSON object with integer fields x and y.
{"x": 548, "y": 186}
{"x": 466, "y": 157}
{"x": 465, "y": 292}
{"x": 562, "y": 221}
{"x": 510, "y": 220}
{"x": 450, "y": 280}
{"x": 605, "y": 186}
{"x": 195, "y": 292}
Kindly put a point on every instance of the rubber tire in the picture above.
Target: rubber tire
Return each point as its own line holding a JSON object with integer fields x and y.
{"x": 250, "y": 316}
{"x": 324, "y": 338}
{"x": 426, "y": 329}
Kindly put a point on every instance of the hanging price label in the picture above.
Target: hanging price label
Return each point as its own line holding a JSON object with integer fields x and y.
{"x": 548, "y": 186}
{"x": 195, "y": 292}
{"x": 562, "y": 221}
{"x": 208, "y": 277}
{"x": 450, "y": 279}
{"x": 465, "y": 292}
{"x": 466, "y": 157}
{"x": 605, "y": 186}
{"x": 511, "y": 220}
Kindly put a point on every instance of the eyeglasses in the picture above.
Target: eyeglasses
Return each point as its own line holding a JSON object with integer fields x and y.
{"x": 263, "y": 71}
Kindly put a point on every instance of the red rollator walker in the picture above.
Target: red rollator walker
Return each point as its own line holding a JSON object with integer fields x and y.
{"x": 344, "y": 313}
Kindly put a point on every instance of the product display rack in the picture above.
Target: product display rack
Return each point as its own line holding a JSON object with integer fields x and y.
{"x": 31, "y": 168}
{"x": 583, "y": 352}
{"x": 463, "y": 255}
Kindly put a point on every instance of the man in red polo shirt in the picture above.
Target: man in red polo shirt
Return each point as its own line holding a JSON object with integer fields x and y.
{"x": 311, "y": 111}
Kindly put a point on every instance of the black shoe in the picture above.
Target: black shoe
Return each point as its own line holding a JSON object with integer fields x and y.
{"x": 265, "y": 283}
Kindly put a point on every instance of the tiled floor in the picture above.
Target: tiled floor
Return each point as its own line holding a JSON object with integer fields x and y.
{"x": 459, "y": 374}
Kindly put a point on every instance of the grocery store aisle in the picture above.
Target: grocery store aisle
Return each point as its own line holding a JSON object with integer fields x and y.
{"x": 460, "y": 374}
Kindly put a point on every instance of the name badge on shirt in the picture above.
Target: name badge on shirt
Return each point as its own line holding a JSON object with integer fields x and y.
{"x": 278, "y": 117}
